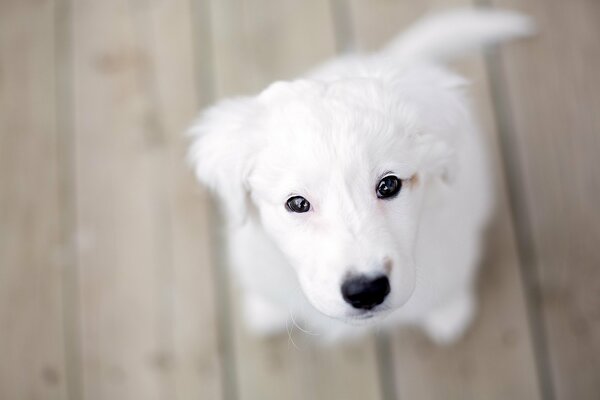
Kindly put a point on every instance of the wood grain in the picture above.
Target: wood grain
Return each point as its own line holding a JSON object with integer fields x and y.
{"x": 33, "y": 244}
{"x": 146, "y": 286}
{"x": 552, "y": 98}
{"x": 495, "y": 360}
{"x": 165, "y": 31}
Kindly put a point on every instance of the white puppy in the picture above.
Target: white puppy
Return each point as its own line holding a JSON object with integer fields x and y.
{"x": 357, "y": 194}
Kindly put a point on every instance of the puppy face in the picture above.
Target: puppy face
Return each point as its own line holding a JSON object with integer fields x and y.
{"x": 337, "y": 173}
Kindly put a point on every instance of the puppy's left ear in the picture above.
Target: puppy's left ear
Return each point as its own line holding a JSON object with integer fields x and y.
{"x": 221, "y": 153}
{"x": 445, "y": 116}
{"x": 438, "y": 157}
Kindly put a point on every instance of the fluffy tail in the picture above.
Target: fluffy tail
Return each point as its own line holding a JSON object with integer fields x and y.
{"x": 448, "y": 35}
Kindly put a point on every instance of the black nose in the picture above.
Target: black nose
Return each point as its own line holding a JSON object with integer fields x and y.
{"x": 365, "y": 293}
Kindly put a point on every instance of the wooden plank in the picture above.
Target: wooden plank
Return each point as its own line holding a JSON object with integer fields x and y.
{"x": 553, "y": 142}
{"x": 122, "y": 208}
{"x": 495, "y": 360}
{"x": 166, "y": 32}
{"x": 256, "y": 43}
{"x": 32, "y": 241}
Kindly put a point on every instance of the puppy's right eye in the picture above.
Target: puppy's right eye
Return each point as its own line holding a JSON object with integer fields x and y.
{"x": 297, "y": 204}
{"x": 388, "y": 187}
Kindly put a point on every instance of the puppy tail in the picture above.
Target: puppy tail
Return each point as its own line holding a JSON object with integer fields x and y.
{"x": 446, "y": 36}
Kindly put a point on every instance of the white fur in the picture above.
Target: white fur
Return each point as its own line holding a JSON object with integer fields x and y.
{"x": 328, "y": 137}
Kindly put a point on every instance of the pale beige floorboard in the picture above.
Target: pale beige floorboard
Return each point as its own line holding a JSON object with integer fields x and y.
{"x": 495, "y": 360}
{"x": 33, "y": 255}
{"x": 256, "y": 43}
{"x": 166, "y": 32}
{"x": 553, "y": 98}
{"x": 122, "y": 207}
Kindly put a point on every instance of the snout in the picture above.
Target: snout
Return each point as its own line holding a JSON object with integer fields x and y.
{"x": 363, "y": 292}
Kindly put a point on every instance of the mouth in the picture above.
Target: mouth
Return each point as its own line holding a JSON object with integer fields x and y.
{"x": 366, "y": 316}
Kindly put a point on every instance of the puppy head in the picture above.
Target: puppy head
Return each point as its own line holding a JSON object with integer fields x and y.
{"x": 337, "y": 173}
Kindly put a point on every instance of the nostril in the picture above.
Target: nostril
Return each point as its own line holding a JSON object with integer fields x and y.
{"x": 365, "y": 293}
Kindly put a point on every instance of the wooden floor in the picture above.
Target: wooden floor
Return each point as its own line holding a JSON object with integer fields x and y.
{"x": 112, "y": 284}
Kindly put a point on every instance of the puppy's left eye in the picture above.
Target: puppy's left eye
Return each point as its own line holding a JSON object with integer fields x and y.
{"x": 388, "y": 187}
{"x": 297, "y": 204}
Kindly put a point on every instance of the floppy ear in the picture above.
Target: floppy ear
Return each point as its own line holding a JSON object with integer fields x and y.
{"x": 438, "y": 157}
{"x": 444, "y": 118}
{"x": 221, "y": 152}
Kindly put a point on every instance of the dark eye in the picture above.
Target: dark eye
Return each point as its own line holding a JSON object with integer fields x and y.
{"x": 298, "y": 204}
{"x": 388, "y": 187}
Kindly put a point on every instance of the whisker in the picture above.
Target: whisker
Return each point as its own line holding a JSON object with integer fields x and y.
{"x": 300, "y": 328}
{"x": 289, "y": 332}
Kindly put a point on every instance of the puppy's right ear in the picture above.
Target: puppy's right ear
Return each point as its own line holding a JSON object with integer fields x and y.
{"x": 221, "y": 152}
